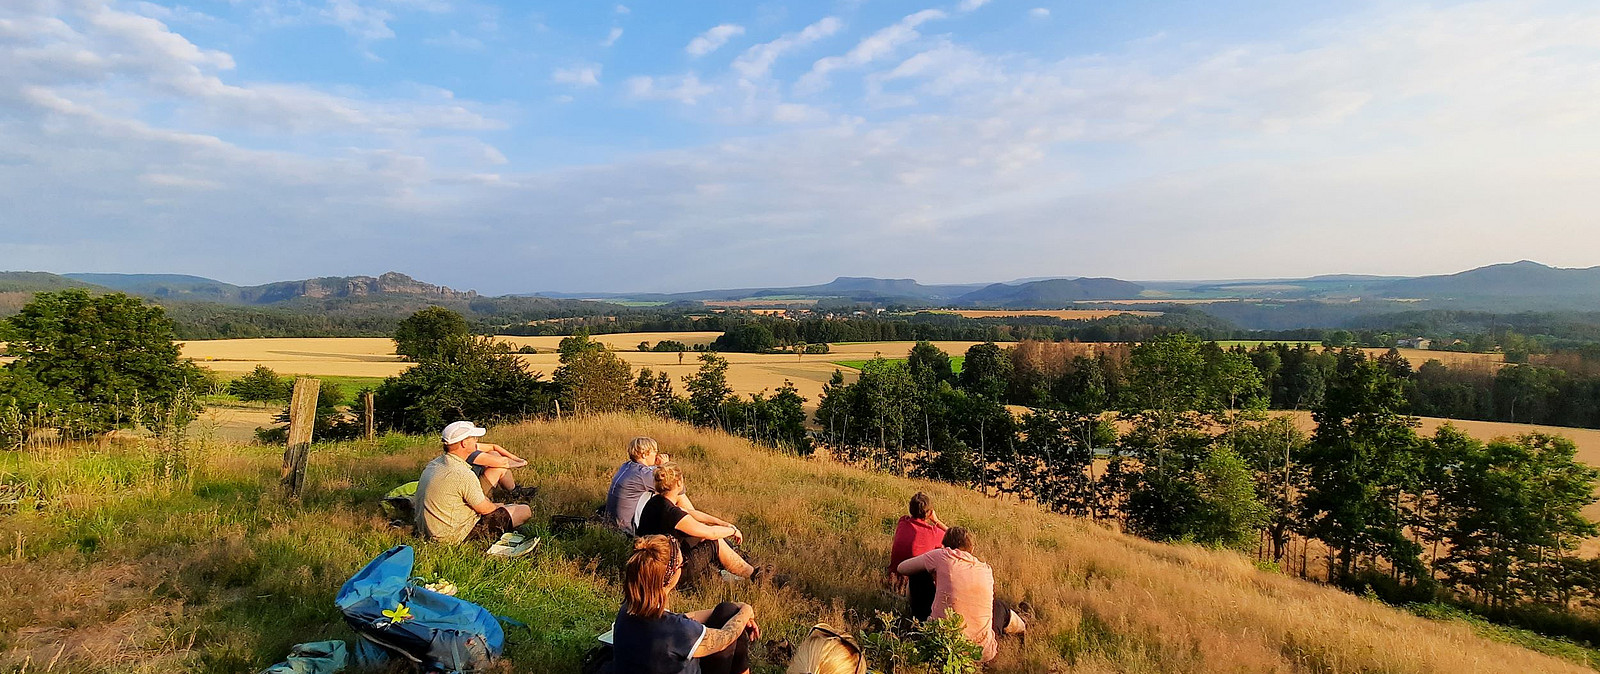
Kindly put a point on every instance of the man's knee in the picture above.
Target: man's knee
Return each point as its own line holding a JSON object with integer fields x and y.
{"x": 519, "y": 513}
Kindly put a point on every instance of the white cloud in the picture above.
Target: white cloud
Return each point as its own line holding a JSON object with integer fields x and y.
{"x": 612, "y": 37}
{"x": 713, "y": 39}
{"x": 756, "y": 62}
{"x": 1039, "y": 13}
{"x": 687, "y": 89}
{"x": 621, "y": 10}
{"x": 869, "y": 49}
{"x": 455, "y": 40}
{"x": 969, "y": 5}
{"x": 580, "y": 75}
{"x": 123, "y": 146}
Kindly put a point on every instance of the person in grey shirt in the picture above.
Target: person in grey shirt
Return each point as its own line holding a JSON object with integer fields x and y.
{"x": 450, "y": 503}
{"x": 633, "y": 483}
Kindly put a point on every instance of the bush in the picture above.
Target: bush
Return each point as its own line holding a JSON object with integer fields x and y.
{"x": 261, "y": 385}
{"x": 934, "y": 647}
{"x": 476, "y": 378}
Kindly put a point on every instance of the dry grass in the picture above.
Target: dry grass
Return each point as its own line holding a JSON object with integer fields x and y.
{"x": 1450, "y": 358}
{"x": 1063, "y": 314}
{"x": 218, "y": 575}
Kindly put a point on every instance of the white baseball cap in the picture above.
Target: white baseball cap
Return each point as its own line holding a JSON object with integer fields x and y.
{"x": 461, "y": 430}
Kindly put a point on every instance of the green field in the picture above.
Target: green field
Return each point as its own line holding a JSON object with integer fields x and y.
{"x": 955, "y": 363}
{"x": 348, "y": 386}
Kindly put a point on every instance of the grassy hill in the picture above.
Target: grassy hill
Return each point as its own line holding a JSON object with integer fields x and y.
{"x": 121, "y": 569}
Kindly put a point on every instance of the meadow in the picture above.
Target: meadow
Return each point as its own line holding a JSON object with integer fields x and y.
{"x": 116, "y": 566}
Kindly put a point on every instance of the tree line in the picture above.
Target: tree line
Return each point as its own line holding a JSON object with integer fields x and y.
{"x": 1170, "y": 439}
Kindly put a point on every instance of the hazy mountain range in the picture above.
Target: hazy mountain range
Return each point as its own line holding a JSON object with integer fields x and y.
{"x": 1318, "y": 301}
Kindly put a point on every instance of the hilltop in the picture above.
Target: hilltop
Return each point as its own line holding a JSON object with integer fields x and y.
{"x": 210, "y": 570}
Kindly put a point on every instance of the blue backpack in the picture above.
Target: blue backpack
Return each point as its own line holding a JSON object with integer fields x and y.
{"x": 438, "y": 632}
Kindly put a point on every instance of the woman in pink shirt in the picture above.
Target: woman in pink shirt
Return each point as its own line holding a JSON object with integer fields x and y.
{"x": 964, "y": 584}
{"x": 914, "y": 535}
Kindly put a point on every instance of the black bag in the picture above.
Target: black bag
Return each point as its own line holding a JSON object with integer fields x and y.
{"x": 597, "y": 660}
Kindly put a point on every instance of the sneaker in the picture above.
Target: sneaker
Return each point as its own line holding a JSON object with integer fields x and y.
{"x": 762, "y": 576}
{"x": 518, "y": 494}
{"x": 513, "y": 545}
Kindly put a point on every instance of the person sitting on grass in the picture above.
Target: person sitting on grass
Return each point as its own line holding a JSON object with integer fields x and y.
{"x": 649, "y": 638}
{"x": 491, "y": 463}
{"x": 702, "y": 537}
{"x": 916, "y": 534}
{"x": 633, "y": 483}
{"x": 450, "y": 504}
{"x": 965, "y": 585}
{"x": 826, "y": 651}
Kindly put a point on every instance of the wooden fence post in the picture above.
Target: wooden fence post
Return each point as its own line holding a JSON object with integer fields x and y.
{"x": 369, "y": 421}
{"x": 302, "y": 417}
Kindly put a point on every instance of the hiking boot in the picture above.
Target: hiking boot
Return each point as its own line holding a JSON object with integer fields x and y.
{"x": 762, "y": 576}
{"x": 520, "y": 494}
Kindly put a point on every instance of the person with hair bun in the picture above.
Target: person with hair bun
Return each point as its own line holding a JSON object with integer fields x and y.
{"x": 826, "y": 651}
{"x": 703, "y": 537}
{"x": 916, "y": 533}
{"x": 651, "y": 639}
{"x": 964, "y": 585}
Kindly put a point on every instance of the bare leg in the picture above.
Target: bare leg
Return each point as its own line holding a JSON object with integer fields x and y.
{"x": 493, "y": 477}
{"x": 731, "y": 560}
{"x": 519, "y": 513}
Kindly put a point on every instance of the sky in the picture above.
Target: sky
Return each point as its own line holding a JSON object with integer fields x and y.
{"x": 526, "y": 145}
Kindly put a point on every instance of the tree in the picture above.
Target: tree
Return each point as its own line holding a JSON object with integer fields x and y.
{"x": 929, "y": 365}
{"x": 986, "y": 371}
{"x": 261, "y": 385}
{"x": 1516, "y": 512}
{"x": 1363, "y": 462}
{"x": 1229, "y": 515}
{"x": 99, "y": 362}
{"x": 746, "y": 338}
{"x": 477, "y": 379}
{"x": 594, "y": 381}
{"x": 422, "y": 335}
{"x": 709, "y": 390}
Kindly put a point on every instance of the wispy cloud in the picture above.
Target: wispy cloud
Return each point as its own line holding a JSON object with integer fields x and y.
{"x": 873, "y": 47}
{"x": 713, "y": 39}
{"x": 969, "y": 5}
{"x": 580, "y": 75}
{"x": 756, "y": 62}
{"x": 686, "y": 89}
{"x": 612, "y": 37}
{"x": 1039, "y": 13}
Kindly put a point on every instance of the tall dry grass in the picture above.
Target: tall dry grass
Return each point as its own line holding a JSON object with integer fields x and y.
{"x": 117, "y": 572}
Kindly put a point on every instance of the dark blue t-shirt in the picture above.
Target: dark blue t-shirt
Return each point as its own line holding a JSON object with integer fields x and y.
{"x": 663, "y": 645}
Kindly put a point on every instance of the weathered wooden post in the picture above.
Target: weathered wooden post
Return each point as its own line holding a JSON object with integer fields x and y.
{"x": 369, "y": 422}
{"x": 302, "y": 417}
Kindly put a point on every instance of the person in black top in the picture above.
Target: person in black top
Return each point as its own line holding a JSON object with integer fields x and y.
{"x": 703, "y": 537}
{"x": 650, "y": 639}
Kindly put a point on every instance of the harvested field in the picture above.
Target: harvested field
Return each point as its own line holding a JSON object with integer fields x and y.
{"x": 1063, "y": 314}
{"x": 1450, "y": 358}
{"x": 374, "y": 357}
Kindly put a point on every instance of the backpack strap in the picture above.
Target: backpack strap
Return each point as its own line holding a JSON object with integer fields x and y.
{"x": 473, "y": 457}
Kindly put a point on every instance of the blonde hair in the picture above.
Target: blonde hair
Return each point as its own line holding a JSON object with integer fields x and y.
{"x": 827, "y": 652}
{"x": 640, "y": 446}
{"x": 668, "y": 478}
{"x": 646, "y": 577}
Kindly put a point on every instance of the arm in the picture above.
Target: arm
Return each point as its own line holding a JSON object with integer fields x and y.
{"x": 502, "y": 451}
{"x": 701, "y": 516}
{"x": 916, "y": 564}
{"x": 693, "y": 527}
{"x": 717, "y": 639}
{"x": 485, "y": 507}
{"x": 934, "y": 518}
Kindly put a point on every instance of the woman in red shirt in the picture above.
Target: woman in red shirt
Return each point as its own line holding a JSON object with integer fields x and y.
{"x": 919, "y": 533}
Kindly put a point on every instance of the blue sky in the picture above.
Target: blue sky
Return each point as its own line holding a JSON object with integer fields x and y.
{"x": 522, "y": 146}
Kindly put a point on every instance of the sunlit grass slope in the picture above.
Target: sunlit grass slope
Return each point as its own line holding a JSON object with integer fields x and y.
{"x": 211, "y": 571}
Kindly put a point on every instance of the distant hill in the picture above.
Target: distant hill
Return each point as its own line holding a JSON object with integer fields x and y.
{"x": 165, "y": 286}
{"x": 859, "y": 288}
{"x": 1521, "y": 280}
{"x": 1051, "y": 293}
{"x": 36, "y": 281}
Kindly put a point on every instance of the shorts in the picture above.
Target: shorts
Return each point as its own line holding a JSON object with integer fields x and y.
{"x": 699, "y": 561}
{"x": 492, "y": 525}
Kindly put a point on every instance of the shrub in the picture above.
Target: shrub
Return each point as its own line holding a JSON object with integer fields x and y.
{"x": 261, "y": 385}
{"x": 476, "y": 378}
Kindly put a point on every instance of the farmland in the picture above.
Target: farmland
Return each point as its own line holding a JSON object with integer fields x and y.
{"x": 1063, "y": 314}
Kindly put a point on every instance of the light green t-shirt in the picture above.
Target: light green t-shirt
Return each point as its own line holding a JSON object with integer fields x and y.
{"x": 446, "y": 495}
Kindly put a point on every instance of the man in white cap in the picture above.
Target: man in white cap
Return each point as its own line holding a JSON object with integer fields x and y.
{"x": 450, "y": 503}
